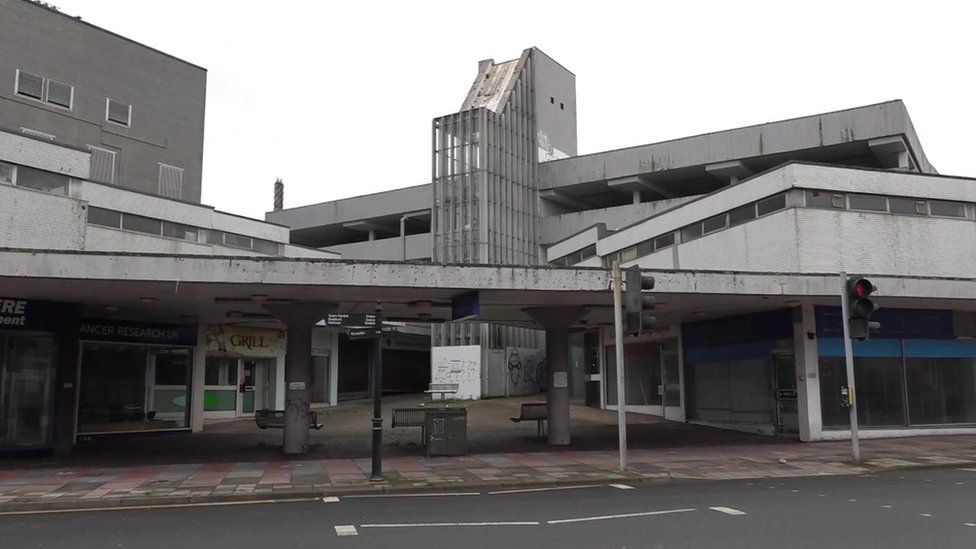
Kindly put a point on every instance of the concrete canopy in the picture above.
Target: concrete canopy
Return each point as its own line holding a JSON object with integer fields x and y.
{"x": 221, "y": 289}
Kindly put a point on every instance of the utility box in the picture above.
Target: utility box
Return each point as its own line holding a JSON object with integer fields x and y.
{"x": 447, "y": 432}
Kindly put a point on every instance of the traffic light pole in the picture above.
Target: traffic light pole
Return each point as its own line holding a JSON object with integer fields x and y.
{"x": 618, "y": 340}
{"x": 849, "y": 358}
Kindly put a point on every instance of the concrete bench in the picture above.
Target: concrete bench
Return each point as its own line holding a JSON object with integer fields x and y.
{"x": 275, "y": 419}
{"x": 534, "y": 411}
{"x": 411, "y": 417}
{"x": 442, "y": 389}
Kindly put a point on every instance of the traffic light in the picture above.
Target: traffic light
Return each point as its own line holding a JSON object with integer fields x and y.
{"x": 639, "y": 306}
{"x": 860, "y": 308}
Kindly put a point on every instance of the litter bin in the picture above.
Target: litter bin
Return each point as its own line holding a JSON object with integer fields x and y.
{"x": 447, "y": 431}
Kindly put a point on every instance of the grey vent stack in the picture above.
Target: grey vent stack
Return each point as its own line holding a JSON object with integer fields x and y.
{"x": 279, "y": 195}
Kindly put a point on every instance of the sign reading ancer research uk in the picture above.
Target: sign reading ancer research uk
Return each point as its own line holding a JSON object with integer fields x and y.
{"x": 244, "y": 342}
{"x": 132, "y": 331}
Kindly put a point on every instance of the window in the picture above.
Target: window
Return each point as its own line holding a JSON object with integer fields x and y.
{"x": 30, "y": 85}
{"x": 947, "y": 209}
{"x": 588, "y": 252}
{"x": 837, "y": 201}
{"x": 42, "y": 181}
{"x": 118, "y": 112}
{"x": 818, "y": 199}
{"x": 664, "y": 241}
{"x": 713, "y": 224}
{"x": 140, "y": 224}
{"x": 60, "y": 94}
{"x": 103, "y": 217}
{"x": 6, "y": 173}
{"x": 645, "y": 248}
{"x": 178, "y": 230}
{"x": 742, "y": 215}
{"x": 237, "y": 241}
{"x": 771, "y": 204}
{"x": 867, "y": 202}
{"x": 691, "y": 232}
{"x": 908, "y": 206}
{"x": 267, "y": 247}
{"x": 170, "y": 181}
{"x": 102, "y": 167}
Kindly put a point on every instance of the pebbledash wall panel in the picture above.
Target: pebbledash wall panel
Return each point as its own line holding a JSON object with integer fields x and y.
{"x": 36, "y": 219}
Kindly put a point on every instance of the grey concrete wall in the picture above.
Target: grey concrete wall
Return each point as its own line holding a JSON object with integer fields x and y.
{"x": 386, "y": 249}
{"x": 382, "y": 204}
{"x": 167, "y": 95}
{"x": 555, "y": 103}
{"x": 858, "y": 124}
{"x": 557, "y": 227}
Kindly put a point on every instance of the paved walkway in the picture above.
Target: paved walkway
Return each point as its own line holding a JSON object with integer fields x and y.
{"x": 33, "y": 487}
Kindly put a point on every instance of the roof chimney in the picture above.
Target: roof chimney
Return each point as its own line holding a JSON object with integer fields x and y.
{"x": 279, "y": 195}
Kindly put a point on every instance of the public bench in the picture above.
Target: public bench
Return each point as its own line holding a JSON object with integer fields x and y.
{"x": 275, "y": 419}
{"x": 442, "y": 389}
{"x": 411, "y": 417}
{"x": 534, "y": 411}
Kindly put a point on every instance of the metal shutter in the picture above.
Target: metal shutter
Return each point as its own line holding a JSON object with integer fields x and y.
{"x": 171, "y": 181}
{"x": 30, "y": 85}
{"x": 118, "y": 112}
{"x": 102, "y": 165}
{"x": 59, "y": 94}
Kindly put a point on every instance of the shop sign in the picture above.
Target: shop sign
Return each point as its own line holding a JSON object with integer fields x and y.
{"x": 27, "y": 314}
{"x": 240, "y": 341}
{"x": 131, "y": 331}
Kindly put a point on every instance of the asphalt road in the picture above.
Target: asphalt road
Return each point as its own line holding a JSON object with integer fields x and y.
{"x": 920, "y": 508}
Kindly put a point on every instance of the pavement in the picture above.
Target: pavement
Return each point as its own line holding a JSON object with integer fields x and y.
{"x": 233, "y": 461}
{"x": 891, "y": 510}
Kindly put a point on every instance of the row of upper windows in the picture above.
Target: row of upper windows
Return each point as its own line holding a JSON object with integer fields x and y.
{"x": 61, "y": 95}
{"x": 158, "y": 227}
{"x": 102, "y": 171}
{"x": 578, "y": 256}
{"x": 778, "y": 202}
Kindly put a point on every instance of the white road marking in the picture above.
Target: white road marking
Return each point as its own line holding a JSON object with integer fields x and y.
{"x": 795, "y": 491}
{"x": 157, "y": 506}
{"x": 728, "y": 511}
{"x": 420, "y": 495}
{"x": 449, "y": 524}
{"x": 551, "y": 488}
{"x": 971, "y": 470}
{"x": 621, "y": 487}
{"x": 330, "y": 499}
{"x": 926, "y": 515}
{"x": 346, "y": 530}
{"x": 886, "y": 507}
{"x": 969, "y": 524}
{"x": 852, "y": 500}
{"x": 821, "y": 495}
{"x": 626, "y": 515}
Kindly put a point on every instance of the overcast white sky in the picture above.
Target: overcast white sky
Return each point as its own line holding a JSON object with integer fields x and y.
{"x": 337, "y": 97}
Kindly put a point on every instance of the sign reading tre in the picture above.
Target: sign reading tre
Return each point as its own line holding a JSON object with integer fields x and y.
{"x": 13, "y": 312}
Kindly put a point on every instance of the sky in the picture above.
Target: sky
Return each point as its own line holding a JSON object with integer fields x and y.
{"x": 337, "y": 98}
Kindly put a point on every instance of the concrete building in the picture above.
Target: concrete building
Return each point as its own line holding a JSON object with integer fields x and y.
{"x": 74, "y": 176}
{"x": 137, "y": 111}
{"x": 782, "y": 201}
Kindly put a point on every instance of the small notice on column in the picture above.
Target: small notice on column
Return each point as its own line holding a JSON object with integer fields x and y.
{"x": 296, "y": 385}
{"x": 560, "y": 380}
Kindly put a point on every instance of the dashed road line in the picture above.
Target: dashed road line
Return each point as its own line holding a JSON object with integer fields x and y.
{"x": 886, "y": 507}
{"x": 346, "y": 530}
{"x": 547, "y": 489}
{"x": 414, "y": 495}
{"x": 728, "y": 511}
{"x": 450, "y": 524}
{"x": 625, "y": 515}
{"x": 622, "y": 486}
{"x": 926, "y": 515}
{"x": 330, "y": 499}
{"x": 969, "y": 524}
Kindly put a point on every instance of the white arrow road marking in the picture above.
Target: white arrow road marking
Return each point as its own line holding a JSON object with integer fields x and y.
{"x": 447, "y": 524}
{"x": 346, "y": 530}
{"x": 621, "y": 487}
{"x": 627, "y": 515}
{"x": 728, "y": 510}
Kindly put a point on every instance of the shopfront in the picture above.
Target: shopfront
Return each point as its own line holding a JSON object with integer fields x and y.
{"x": 244, "y": 371}
{"x": 134, "y": 376}
{"x": 652, "y": 373}
{"x": 29, "y": 332}
{"x": 918, "y": 371}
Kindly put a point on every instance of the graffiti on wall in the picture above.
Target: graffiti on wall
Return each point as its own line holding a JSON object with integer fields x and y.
{"x": 460, "y": 365}
{"x": 526, "y": 370}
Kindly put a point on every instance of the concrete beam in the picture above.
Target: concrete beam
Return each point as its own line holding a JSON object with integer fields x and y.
{"x": 891, "y": 152}
{"x": 729, "y": 172}
{"x": 564, "y": 199}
